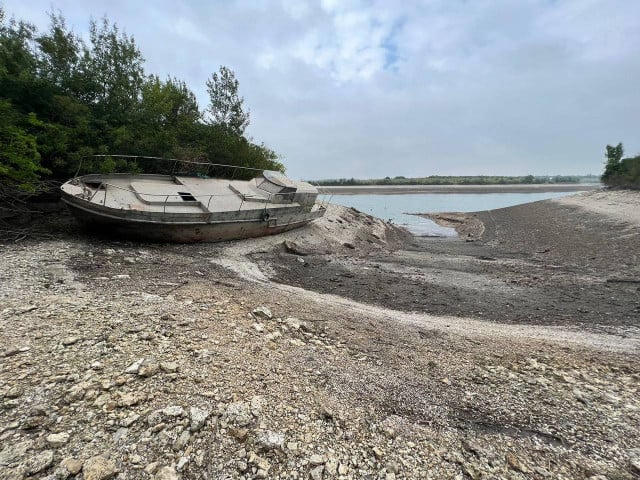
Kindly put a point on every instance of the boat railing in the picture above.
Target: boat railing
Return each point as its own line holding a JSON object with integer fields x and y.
{"x": 174, "y": 164}
{"x": 269, "y": 199}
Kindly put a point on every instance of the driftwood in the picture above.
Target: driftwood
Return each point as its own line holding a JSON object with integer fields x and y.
{"x": 623, "y": 280}
{"x": 18, "y": 211}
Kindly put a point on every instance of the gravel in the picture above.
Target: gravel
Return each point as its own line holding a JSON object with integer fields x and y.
{"x": 146, "y": 369}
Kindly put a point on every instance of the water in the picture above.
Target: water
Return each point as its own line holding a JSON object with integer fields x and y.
{"x": 396, "y": 207}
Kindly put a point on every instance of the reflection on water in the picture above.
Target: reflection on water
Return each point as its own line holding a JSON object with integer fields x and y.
{"x": 395, "y": 208}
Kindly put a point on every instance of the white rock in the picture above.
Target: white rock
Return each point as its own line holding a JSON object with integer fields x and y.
{"x": 238, "y": 413}
{"x": 167, "y": 473}
{"x": 316, "y": 473}
{"x": 262, "y": 312}
{"x": 268, "y": 440}
{"x": 293, "y": 323}
{"x": 198, "y": 418}
{"x": 135, "y": 366}
{"x": 173, "y": 411}
{"x": 58, "y": 439}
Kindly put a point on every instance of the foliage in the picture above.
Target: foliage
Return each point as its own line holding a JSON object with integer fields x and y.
{"x": 20, "y": 160}
{"x": 618, "y": 171}
{"x": 459, "y": 180}
{"x": 225, "y": 108}
{"x": 62, "y": 99}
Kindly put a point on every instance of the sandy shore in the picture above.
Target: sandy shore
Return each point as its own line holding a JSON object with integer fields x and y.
{"x": 407, "y": 189}
{"x": 353, "y": 351}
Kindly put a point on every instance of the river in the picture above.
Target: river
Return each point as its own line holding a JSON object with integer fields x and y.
{"x": 395, "y": 208}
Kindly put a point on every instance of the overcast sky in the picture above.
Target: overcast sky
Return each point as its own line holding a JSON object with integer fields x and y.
{"x": 384, "y": 88}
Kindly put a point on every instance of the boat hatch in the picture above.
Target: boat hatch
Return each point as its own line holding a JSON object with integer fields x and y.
{"x": 187, "y": 197}
{"x": 275, "y": 182}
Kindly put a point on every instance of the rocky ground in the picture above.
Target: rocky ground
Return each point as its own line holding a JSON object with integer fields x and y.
{"x": 126, "y": 360}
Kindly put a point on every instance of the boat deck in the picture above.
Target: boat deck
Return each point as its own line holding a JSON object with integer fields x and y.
{"x": 181, "y": 194}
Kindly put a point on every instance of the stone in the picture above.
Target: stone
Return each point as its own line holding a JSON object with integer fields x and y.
{"x": 68, "y": 341}
{"x": 130, "y": 420}
{"x": 293, "y": 247}
{"x": 135, "y": 366}
{"x": 99, "y": 468}
{"x": 377, "y": 452}
{"x": 174, "y": 411}
{"x": 39, "y": 462}
{"x": 167, "y": 473}
{"x": 292, "y": 323}
{"x": 75, "y": 393}
{"x": 268, "y": 441}
{"x": 239, "y": 434}
{"x": 198, "y": 418}
{"x": 58, "y": 439}
{"x": 331, "y": 467}
{"x": 13, "y": 453}
{"x": 259, "y": 462}
{"x": 14, "y": 392}
{"x": 148, "y": 368}
{"x": 262, "y": 312}
{"x": 392, "y": 467}
{"x": 258, "y": 327}
{"x": 238, "y": 413}
{"x": 182, "y": 463}
{"x": 120, "y": 434}
{"x": 515, "y": 463}
{"x": 169, "y": 367}
{"x": 316, "y": 459}
{"x": 182, "y": 440}
{"x": 257, "y": 404}
{"x": 316, "y": 473}
{"x": 128, "y": 399}
{"x": 634, "y": 458}
{"x": 72, "y": 465}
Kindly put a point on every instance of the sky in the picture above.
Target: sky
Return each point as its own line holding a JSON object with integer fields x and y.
{"x": 369, "y": 89}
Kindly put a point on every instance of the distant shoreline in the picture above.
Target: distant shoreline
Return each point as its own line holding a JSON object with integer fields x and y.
{"x": 408, "y": 189}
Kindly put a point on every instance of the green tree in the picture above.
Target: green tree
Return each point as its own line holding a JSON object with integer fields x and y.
{"x": 613, "y": 157}
{"x": 112, "y": 72}
{"x": 226, "y": 106}
{"x": 59, "y": 55}
{"x": 19, "y": 157}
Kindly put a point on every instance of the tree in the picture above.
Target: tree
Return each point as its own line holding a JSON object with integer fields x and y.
{"x": 112, "y": 72}
{"x": 59, "y": 55}
{"x": 19, "y": 157}
{"x": 613, "y": 156}
{"x": 226, "y": 107}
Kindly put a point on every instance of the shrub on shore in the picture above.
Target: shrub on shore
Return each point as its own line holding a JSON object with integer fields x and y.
{"x": 621, "y": 172}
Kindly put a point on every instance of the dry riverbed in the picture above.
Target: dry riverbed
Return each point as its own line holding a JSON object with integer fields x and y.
{"x": 257, "y": 359}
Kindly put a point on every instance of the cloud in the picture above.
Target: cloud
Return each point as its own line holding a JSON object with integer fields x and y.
{"x": 374, "y": 88}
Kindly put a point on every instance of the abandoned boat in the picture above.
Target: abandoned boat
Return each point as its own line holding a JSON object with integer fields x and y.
{"x": 177, "y": 207}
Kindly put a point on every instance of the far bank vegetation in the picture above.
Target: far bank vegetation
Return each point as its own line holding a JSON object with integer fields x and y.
{"x": 461, "y": 180}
